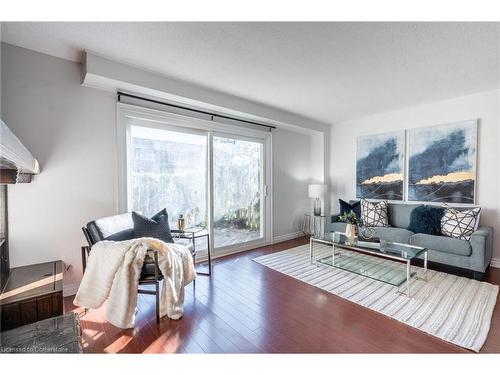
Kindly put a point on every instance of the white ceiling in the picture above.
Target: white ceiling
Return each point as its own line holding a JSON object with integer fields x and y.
{"x": 325, "y": 71}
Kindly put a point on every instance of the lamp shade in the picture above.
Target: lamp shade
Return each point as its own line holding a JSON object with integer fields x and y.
{"x": 316, "y": 190}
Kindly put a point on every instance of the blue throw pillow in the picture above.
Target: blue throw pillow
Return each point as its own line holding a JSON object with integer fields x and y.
{"x": 156, "y": 227}
{"x": 346, "y": 207}
{"x": 426, "y": 219}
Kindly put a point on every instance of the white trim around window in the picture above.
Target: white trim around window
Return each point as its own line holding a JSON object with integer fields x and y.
{"x": 171, "y": 121}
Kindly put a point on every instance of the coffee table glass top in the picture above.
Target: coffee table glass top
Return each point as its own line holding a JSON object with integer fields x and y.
{"x": 381, "y": 247}
{"x": 392, "y": 273}
{"x": 358, "y": 258}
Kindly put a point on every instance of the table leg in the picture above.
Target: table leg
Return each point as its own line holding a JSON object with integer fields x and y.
{"x": 408, "y": 277}
{"x": 209, "y": 249}
{"x": 333, "y": 255}
{"x": 209, "y": 253}
{"x": 311, "y": 250}
{"x": 425, "y": 265}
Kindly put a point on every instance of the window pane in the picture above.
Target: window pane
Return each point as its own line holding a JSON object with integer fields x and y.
{"x": 237, "y": 180}
{"x": 169, "y": 171}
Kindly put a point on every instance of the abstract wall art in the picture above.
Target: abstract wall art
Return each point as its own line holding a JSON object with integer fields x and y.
{"x": 380, "y": 166}
{"x": 442, "y": 163}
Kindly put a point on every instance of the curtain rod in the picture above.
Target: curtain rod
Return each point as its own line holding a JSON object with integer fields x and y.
{"x": 120, "y": 94}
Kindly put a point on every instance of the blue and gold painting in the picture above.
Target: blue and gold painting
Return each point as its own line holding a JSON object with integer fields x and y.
{"x": 442, "y": 163}
{"x": 380, "y": 166}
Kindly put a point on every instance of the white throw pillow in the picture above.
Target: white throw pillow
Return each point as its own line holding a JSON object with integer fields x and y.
{"x": 374, "y": 214}
{"x": 460, "y": 224}
{"x": 477, "y": 221}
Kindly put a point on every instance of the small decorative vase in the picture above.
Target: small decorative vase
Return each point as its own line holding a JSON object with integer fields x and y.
{"x": 351, "y": 231}
{"x": 317, "y": 207}
{"x": 181, "y": 223}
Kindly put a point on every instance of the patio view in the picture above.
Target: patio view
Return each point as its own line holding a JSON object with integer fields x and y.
{"x": 169, "y": 169}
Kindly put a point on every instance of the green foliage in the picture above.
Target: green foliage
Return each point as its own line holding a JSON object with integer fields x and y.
{"x": 242, "y": 218}
{"x": 350, "y": 218}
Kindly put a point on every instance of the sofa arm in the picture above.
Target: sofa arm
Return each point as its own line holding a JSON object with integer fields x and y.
{"x": 481, "y": 242}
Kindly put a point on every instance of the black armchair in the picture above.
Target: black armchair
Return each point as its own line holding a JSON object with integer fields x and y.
{"x": 121, "y": 228}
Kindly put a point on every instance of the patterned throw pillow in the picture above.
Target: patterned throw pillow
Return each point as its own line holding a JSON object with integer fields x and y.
{"x": 459, "y": 224}
{"x": 374, "y": 214}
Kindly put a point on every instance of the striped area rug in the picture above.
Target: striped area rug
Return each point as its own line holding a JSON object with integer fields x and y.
{"x": 453, "y": 308}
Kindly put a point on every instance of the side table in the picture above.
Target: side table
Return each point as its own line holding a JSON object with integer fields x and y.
{"x": 192, "y": 234}
{"x": 314, "y": 225}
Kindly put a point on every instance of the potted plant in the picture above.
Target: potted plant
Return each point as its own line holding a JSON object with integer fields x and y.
{"x": 352, "y": 222}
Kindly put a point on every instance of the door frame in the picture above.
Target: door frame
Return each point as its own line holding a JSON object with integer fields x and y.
{"x": 171, "y": 121}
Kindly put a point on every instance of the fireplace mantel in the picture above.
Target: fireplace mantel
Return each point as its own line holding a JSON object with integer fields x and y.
{"x": 16, "y": 162}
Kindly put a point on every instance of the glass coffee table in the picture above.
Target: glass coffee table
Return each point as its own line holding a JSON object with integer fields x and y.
{"x": 387, "y": 272}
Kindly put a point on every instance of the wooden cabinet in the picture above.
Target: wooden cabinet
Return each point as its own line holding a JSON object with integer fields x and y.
{"x": 11, "y": 315}
{"x": 32, "y": 293}
{"x": 57, "y": 303}
{"x": 44, "y": 307}
{"x": 28, "y": 312}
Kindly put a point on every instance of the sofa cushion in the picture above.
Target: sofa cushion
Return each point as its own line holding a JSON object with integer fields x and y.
{"x": 399, "y": 214}
{"x": 426, "y": 219}
{"x": 441, "y": 243}
{"x": 390, "y": 234}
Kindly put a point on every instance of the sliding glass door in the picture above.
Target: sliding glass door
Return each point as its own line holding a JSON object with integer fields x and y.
{"x": 215, "y": 180}
{"x": 238, "y": 187}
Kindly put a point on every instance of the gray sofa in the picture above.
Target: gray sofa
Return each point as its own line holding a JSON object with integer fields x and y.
{"x": 473, "y": 255}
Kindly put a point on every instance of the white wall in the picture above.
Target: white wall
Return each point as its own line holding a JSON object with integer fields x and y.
{"x": 485, "y": 106}
{"x": 71, "y": 130}
{"x": 291, "y": 176}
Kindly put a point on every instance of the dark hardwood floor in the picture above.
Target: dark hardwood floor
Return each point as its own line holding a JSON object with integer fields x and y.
{"x": 247, "y": 308}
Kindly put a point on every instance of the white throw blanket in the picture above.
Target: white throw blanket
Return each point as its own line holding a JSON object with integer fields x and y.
{"x": 113, "y": 273}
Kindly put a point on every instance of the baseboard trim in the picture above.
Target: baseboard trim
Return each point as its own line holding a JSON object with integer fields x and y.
{"x": 286, "y": 237}
{"x": 70, "y": 289}
{"x": 495, "y": 263}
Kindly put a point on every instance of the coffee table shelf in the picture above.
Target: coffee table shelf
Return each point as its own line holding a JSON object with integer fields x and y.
{"x": 369, "y": 258}
{"x": 369, "y": 267}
